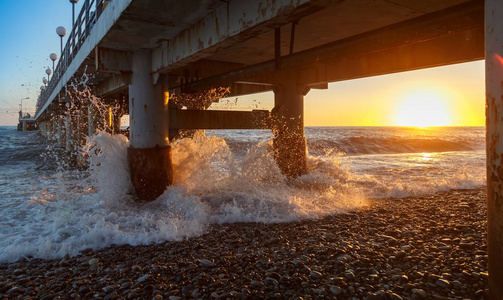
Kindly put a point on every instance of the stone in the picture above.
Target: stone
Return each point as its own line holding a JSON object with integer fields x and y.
{"x": 257, "y": 284}
{"x": 143, "y": 278}
{"x": 206, "y": 263}
{"x": 315, "y": 274}
{"x": 419, "y": 294}
{"x": 335, "y": 290}
{"x": 443, "y": 283}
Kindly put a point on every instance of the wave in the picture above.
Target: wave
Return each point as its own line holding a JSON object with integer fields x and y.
{"x": 70, "y": 211}
{"x": 378, "y": 145}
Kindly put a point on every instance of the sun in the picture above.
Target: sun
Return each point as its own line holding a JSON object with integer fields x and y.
{"x": 423, "y": 109}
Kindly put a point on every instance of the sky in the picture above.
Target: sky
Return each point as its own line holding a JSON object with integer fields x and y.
{"x": 450, "y": 95}
{"x": 28, "y": 36}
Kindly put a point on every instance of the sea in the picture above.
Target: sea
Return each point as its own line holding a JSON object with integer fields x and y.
{"x": 51, "y": 208}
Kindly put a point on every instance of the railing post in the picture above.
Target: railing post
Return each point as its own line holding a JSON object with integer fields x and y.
{"x": 86, "y": 13}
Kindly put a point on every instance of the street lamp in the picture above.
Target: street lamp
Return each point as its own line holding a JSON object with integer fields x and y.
{"x": 61, "y": 31}
{"x": 73, "y": 11}
{"x": 53, "y": 57}
{"x": 21, "y": 107}
{"x": 48, "y": 72}
{"x": 45, "y": 81}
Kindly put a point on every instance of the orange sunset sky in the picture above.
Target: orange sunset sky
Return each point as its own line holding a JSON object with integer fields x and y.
{"x": 444, "y": 96}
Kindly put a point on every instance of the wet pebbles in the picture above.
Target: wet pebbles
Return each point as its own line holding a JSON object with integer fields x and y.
{"x": 431, "y": 247}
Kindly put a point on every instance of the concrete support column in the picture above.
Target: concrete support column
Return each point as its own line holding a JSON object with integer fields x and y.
{"x": 494, "y": 140}
{"x": 50, "y": 125}
{"x": 68, "y": 133}
{"x": 149, "y": 154}
{"x": 55, "y": 128}
{"x": 61, "y": 132}
{"x": 82, "y": 125}
{"x": 25, "y": 126}
{"x": 96, "y": 121}
{"x": 116, "y": 120}
{"x": 289, "y": 142}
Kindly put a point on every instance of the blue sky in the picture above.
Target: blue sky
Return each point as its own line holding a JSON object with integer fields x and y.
{"x": 28, "y": 36}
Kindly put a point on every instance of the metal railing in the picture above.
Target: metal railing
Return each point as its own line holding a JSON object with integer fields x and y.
{"x": 89, "y": 14}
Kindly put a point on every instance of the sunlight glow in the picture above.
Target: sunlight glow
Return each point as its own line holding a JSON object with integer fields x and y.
{"x": 423, "y": 109}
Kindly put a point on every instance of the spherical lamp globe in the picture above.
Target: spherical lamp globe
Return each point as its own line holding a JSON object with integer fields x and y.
{"x": 53, "y": 56}
{"x": 61, "y": 31}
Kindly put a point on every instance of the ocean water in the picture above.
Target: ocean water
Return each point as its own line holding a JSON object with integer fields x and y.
{"x": 50, "y": 210}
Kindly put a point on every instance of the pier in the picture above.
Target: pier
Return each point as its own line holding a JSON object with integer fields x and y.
{"x": 137, "y": 54}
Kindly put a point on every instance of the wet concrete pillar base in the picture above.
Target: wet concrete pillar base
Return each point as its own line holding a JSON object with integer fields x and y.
{"x": 151, "y": 171}
{"x": 288, "y": 129}
{"x": 149, "y": 154}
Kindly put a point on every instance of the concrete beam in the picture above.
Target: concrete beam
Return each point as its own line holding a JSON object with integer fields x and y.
{"x": 215, "y": 119}
{"x": 229, "y": 23}
{"x": 118, "y": 83}
{"x": 109, "y": 60}
{"x": 450, "y": 36}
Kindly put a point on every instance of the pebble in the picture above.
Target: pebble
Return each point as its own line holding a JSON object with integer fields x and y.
{"x": 143, "y": 278}
{"x": 419, "y": 294}
{"x": 206, "y": 263}
{"x": 315, "y": 275}
{"x": 443, "y": 283}
{"x": 257, "y": 284}
{"x": 403, "y": 256}
{"x": 335, "y": 290}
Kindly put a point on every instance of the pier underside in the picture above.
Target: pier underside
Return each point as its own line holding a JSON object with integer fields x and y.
{"x": 142, "y": 52}
{"x": 155, "y": 49}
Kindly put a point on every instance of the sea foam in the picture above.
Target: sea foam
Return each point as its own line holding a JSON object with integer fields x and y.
{"x": 76, "y": 210}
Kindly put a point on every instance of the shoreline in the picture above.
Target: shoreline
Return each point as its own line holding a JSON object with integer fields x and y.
{"x": 427, "y": 247}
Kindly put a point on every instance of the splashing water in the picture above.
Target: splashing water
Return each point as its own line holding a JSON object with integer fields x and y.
{"x": 75, "y": 210}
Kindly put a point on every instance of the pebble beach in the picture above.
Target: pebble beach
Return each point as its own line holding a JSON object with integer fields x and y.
{"x": 428, "y": 247}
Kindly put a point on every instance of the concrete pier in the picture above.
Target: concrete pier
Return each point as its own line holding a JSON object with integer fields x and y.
{"x": 494, "y": 106}
{"x": 144, "y": 50}
{"x": 288, "y": 128}
{"x": 149, "y": 154}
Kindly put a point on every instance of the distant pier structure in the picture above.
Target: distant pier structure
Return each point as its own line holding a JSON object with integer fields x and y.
{"x": 26, "y": 122}
{"x": 138, "y": 53}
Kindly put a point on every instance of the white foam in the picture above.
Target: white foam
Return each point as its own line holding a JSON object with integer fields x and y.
{"x": 70, "y": 211}
{"x": 75, "y": 212}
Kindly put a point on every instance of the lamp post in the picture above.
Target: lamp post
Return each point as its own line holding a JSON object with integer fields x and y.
{"x": 61, "y": 31}
{"x": 48, "y": 72}
{"x": 45, "y": 81}
{"x": 73, "y": 10}
{"x": 53, "y": 57}
{"x": 21, "y": 107}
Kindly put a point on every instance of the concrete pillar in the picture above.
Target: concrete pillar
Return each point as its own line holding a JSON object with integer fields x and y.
{"x": 96, "y": 120}
{"x": 55, "y": 128}
{"x": 25, "y": 126}
{"x": 68, "y": 133}
{"x": 82, "y": 125}
{"x": 149, "y": 154}
{"x": 61, "y": 132}
{"x": 289, "y": 142}
{"x": 494, "y": 140}
{"x": 116, "y": 120}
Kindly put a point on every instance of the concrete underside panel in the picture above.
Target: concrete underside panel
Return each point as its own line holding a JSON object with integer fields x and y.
{"x": 224, "y": 42}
